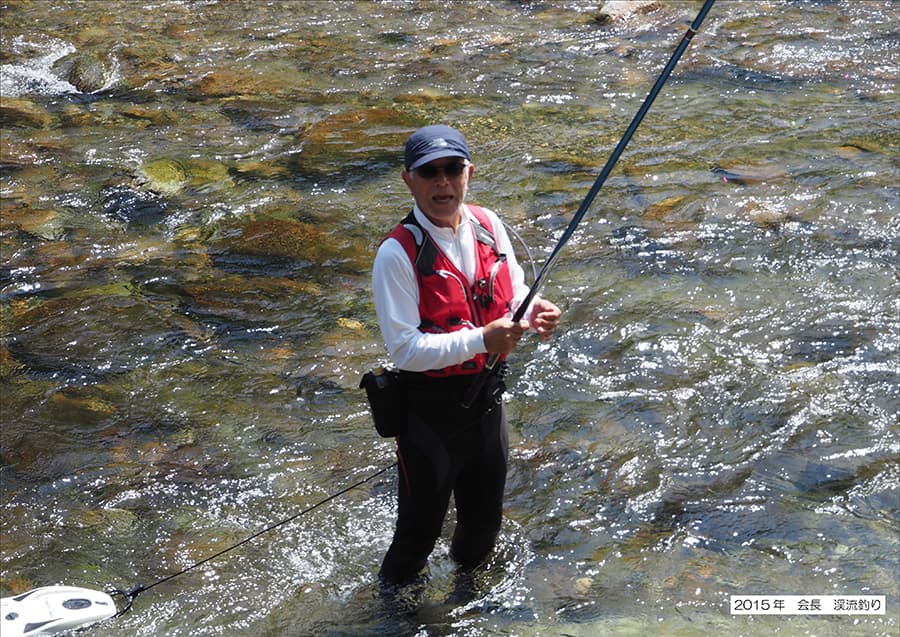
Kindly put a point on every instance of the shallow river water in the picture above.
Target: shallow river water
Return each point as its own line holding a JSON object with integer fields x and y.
{"x": 192, "y": 195}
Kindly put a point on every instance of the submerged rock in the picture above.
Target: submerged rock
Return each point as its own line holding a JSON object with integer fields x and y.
{"x": 225, "y": 82}
{"x": 9, "y": 366}
{"x": 16, "y": 111}
{"x": 169, "y": 176}
{"x": 164, "y": 176}
{"x": 42, "y": 222}
{"x": 284, "y": 238}
{"x": 206, "y": 175}
{"x": 355, "y": 136}
{"x": 246, "y": 300}
{"x": 663, "y": 210}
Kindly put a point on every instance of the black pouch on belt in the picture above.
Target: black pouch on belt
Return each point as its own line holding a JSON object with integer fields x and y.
{"x": 387, "y": 400}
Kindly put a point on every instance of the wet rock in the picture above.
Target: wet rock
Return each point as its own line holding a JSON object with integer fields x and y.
{"x": 9, "y": 366}
{"x": 821, "y": 344}
{"x": 88, "y": 74}
{"x": 75, "y": 116}
{"x": 205, "y": 175}
{"x": 355, "y": 137}
{"x": 233, "y": 81}
{"x": 15, "y": 584}
{"x": 284, "y": 238}
{"x": 41, "y": 222}
{"x": 259, "y": 115}
{"x": 170, "y": 176}
{"x": 163, "y": 176}
{"x": 767, "y": 218}
{"x": 83, "y": 70}
{"x": 212, "y": 292}
{"x": 88, "y": 334}
{"x": 14, "y": 153}
{"x": 261, "y": 169}
{"x": 620, "y": 10}
{"x": 344, "y": 332}
{"x": 21, "y": 112}
{"x": 155, "y": 116}
{"x": 662, "y": 210}
{"x": 81, "y": 405}
{"x": 116, "y": 521}
{"x": 147, "y": 62}
{"x": 246, "y": 300}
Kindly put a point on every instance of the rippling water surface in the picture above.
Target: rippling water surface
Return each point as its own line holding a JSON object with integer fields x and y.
{"x": 192, "y": 194}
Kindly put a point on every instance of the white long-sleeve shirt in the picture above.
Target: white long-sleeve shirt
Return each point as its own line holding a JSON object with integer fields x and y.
{"x": 396, "y": 293}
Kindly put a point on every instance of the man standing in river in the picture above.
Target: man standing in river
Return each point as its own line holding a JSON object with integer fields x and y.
{"x": 445, "y": 282}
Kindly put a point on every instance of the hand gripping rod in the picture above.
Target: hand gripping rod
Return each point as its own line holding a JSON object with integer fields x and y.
{"x": 479, "y": 381}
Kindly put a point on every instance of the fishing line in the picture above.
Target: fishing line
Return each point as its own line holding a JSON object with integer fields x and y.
{"x": 524, "y": 247}
{"x": 130, "y": 594}
{"x": 490, "y": 365}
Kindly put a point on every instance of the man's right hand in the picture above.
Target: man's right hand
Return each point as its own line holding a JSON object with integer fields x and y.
{"x": 502, "y": 335}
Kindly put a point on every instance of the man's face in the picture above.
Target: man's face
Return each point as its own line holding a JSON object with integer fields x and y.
{"x": 439, "y": 188}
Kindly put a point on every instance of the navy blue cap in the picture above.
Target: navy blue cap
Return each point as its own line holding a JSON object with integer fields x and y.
{"x": 433, "y": 142}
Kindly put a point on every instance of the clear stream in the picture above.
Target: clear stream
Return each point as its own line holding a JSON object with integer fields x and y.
{"x": 192, "y": 194}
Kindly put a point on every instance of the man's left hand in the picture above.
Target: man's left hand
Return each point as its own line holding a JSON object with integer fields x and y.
{"x": 545, "y": 318}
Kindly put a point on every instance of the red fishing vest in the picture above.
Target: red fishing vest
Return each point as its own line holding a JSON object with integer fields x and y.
{"x": 447, "y": 302}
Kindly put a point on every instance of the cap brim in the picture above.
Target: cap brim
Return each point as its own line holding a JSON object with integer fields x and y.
{"x": 438, "y": 154}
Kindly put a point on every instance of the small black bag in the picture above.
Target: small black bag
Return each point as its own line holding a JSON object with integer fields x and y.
{"x": 387, "y": 400}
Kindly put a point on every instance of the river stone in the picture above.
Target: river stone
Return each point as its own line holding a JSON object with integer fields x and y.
{"x": 206, "y": 175}
{"x": 359, "y": 134}
{"x": 662, "y": 210}
{"x": 21, "y": 112}
{"x": 82, "y": 405}
{"x": 219, "y": 289}
{"x": 88, "y": 74}
{"x": 231, "y": 81}
{"x": 284, "y": 238}
{"x": 9, "y": 366}
{"x": 123, "y": 328}
{"x": 83, "y": 70}
{"x": 619, "y": 10}
{"x": 40, "y": 222}
{"x": 239, "y": 298}
{"x": 163, "y": 176}
{"x": 155, "y": 116}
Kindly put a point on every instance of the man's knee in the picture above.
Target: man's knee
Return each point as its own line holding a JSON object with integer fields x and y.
{"x": 471, "y": 545}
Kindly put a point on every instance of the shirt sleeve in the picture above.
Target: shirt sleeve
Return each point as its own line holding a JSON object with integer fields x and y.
{"x": 396, "y": 295}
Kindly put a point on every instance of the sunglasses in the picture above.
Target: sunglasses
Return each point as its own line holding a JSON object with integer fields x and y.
{"x": 430, "y": 171}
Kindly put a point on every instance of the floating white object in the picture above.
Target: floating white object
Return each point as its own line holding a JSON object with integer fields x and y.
{"x": 53, "y": 609}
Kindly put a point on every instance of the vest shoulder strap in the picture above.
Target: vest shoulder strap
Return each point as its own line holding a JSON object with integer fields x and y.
{"x": 426, "y": 250}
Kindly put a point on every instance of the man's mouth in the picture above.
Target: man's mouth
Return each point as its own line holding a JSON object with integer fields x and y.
{"x": 442, "y": 198}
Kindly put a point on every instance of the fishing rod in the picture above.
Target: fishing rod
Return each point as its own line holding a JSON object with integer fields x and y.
{"x": 491, "y": 364}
